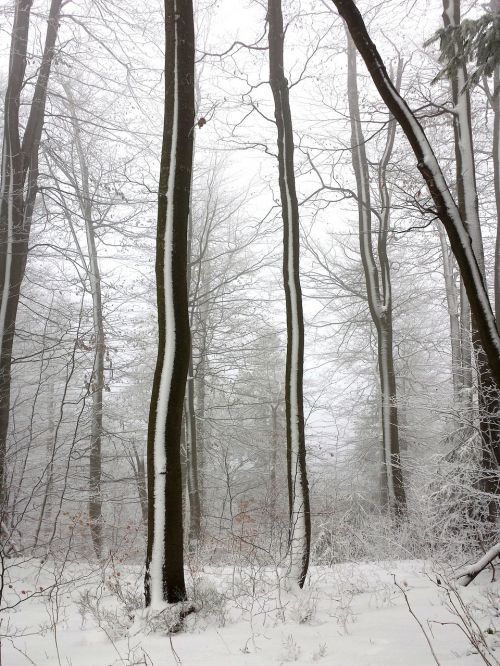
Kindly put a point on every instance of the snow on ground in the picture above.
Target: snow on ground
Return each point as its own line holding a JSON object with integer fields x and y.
{"x": 348, "y": 615}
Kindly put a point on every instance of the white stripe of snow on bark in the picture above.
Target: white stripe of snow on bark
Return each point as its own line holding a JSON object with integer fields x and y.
{"x": 158, "y": 552}
{"x": 298, "y": 518}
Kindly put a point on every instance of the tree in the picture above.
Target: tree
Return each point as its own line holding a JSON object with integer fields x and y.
{"x": 378, "y": 288}
{"x": 298, "y": 487}
{"x": 469, "y": 211}
{"x": 446, "y": 209}
{"x": 96, "y": 381}
{"x": 164, "y": 579}
{"x": 18, "y": 191}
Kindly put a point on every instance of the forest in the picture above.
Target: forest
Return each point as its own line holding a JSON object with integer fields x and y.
{"x": 249, "y": 351}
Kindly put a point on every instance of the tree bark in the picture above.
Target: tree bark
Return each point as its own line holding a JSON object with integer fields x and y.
{"x": 18, "y": 189}
{"x": 298, "y": 487}
{"x": 378, "y": 288}
{"x": 164, "y": 579}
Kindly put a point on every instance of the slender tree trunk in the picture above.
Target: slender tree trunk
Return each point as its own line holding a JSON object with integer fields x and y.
{"x": 190, "y": 416}
{"x": 452, "y": 302}
{"x": 164, "y": 580}
{"x": 139, "y": 469}
{"x": 273, "y": 493}
{"x": 96, "y": 382}
{"x": 192, "y": 462}
{"x": 46, "y": 508}
{"x": 378, "y": 289}
{"x": 18, "y": 188}
{"x": 496, "y": 172}
{"x": 298, "y": 487}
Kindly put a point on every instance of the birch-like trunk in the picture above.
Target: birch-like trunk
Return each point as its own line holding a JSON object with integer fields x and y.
{"x": 298, "y": 487}
{"x": 378, "y": 286}
{"x": 18, "y": 189}
{"x": 164, "y": 579}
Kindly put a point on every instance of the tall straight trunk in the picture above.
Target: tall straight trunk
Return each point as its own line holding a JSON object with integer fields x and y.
{"x": 446, "y": 208}
{"x": 164, "y": 579}
{"x": 452, "y": 302}
{"x": 46, "y": 508}
{"x": 96, "y": 382}
{"x": 139, "y": 470}
{"x": 191, "y": 426}
{"x": 298, "y": 487}
{"x": 273, "y": 490}
{"x": 378, "y": 288}
{"x": 18, "y": 189}
{"x": 466, "y": 354}
{"x": 496, "y": 171}
{"x": 192, "y": 461}
{"x": 488, "y": 397}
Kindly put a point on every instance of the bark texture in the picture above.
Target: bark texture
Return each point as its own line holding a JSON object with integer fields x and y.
{"x": 164, "y": 580}
{"x": 298, "y": 487}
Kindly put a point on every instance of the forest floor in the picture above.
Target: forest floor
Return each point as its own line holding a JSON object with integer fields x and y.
{"x": 353, "y": 614}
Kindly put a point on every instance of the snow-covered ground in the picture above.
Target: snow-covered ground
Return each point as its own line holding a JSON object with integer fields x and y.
{"x": 348, "y": 615}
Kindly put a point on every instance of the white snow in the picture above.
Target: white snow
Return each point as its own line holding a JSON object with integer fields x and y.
{"x": 157, "y": 558}
{"x": 351, "y": 614}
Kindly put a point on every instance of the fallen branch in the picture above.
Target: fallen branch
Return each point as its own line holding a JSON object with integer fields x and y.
{"x": 468, "y": 575}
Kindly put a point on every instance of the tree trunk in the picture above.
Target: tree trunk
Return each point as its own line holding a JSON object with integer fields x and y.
{"x": 298, "y": 487}
{"x": 192, "y": 462}
{"x": 191, "y": 425}
{"x": 164, "y": 580}
{"x": 96, "y": 382}
{"x": 18, "y": 188}
{"x": 273, "y": 490}
{"x": 452, "y": 303}
{"x": 378, "y": 290}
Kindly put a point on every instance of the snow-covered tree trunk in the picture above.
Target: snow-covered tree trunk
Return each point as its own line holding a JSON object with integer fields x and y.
{"x": 378, "y": 287}
{"x": 164, "y": 580}
{"x": 298, "y": 487}
{"x": 18, "y": 189}
{"x": 446, "y": 208}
